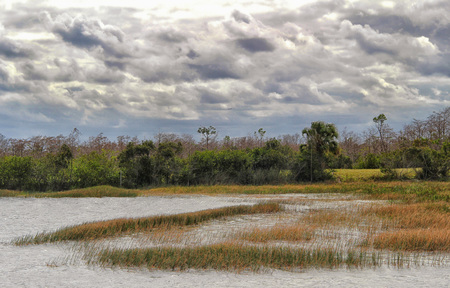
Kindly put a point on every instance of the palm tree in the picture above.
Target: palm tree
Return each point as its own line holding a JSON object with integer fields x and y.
{"x": 322, "y": 139}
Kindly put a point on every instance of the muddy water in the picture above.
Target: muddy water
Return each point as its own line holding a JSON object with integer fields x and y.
{"x": 40, "y": 265}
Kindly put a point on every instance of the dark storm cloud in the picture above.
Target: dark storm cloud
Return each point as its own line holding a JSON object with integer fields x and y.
{"x": 212, "y": 97}
{"x": 11, "y": 49}
{"x": 32, "y": 73}
{"x": 256, "y": 45}
{"x": 88, "y": 33}
{"x": 116, "y": 64}
{"x": 386, "y": 23}
{"x": 436, "y": 65}
{"x": 192, "y": 54}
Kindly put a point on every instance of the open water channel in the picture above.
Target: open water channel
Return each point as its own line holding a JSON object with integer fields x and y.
{"x": 34, "y": 265}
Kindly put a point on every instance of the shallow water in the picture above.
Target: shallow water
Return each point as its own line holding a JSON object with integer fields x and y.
{"x": 38, "y": 265}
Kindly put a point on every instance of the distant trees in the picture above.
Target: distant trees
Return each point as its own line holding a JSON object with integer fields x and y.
{"x": 43, "y": 163}
{"x": 208, "y": 133}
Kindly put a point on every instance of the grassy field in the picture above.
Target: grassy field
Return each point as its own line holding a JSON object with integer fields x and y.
{"x": 394, "y": 221}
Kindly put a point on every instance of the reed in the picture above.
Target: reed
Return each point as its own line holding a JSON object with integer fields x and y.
{"x": 284, "y": 233}
{"x": 118, "y": 227}
{"x": 414, "y": 240}
{"x": 11, "y": 193}
{"x": 413, "y": 216}
{"x": 97, "y": 191}
{"x": 231, "y": 256}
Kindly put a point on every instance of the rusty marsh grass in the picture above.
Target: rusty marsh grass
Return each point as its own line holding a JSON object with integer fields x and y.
{"x": 102, "y": 229}
{"x": 354, "y": 223}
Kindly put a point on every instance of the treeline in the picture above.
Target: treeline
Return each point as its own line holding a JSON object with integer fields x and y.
{"x": 63, "y": 162}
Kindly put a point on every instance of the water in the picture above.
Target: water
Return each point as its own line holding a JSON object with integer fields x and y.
{"x": 40, "y": 265}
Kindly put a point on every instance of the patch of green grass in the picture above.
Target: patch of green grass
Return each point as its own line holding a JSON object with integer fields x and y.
{"x": 118, "y": 227}
{"x": 231, "y": 256}
{"x": 11, "y": 193}
{"x": 97, "y": 191}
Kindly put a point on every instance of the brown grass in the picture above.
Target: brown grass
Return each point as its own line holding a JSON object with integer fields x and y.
{"x": 118, "y": 227}
{"x": 414, "y": 240}
{"x": 284, "y": 233}
{"x": 413, "y": 216}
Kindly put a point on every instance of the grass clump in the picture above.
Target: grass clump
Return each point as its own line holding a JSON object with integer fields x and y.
{"x": 285, "y": 233}
{"x": 413, "y": 227}
{"x": 117, "y": 227}
{"x": 230, "y": 256}
{"x": 97, "y": 191}
{"x": 414, "y": 240}
{"x": 10, "y": 193}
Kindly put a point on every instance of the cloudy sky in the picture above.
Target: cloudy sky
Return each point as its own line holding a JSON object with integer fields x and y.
{"x": 142, "y": 67}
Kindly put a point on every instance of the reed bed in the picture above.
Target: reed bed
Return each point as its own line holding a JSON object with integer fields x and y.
{"x": 97, "y": 191}
{"x": 231, "y": 256}
{"x": 414, "y": 240}
{"x": 117, "y": 227}
{"x": 11, "y": 193}
{"x": 413, "y": 216}
{"x": 412, "y": 227}
{"x": 405, "y": 191}
{"x": 285, "y": 233}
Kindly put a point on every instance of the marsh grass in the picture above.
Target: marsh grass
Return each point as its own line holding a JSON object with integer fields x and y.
{"x": 117, "y": 227}
{"x": 230, "y": 256}
{"x": 284, "y": 233}
{"x": 97, "y": 191}
{"x": 414, "y": 240}
{"x": 413, "y": 227}
{"x": 404, "y": 191}
{"x": 10, "y": 193}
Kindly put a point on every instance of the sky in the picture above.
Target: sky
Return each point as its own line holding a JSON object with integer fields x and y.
{"x": 139, "y": 68}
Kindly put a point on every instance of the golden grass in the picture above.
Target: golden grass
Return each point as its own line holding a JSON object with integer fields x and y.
{"x": 412, "y": 227}
{"x": 414, "y": 216}
{"x": 414, "y": 240}
{"x": 350, "y": 175}
{"x": 284, "y": 233}
{"x": 117, "y": 227}
{"x": 10, "y": 193}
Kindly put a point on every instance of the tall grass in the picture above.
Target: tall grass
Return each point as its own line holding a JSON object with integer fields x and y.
{"x": 285, "y": 233}
{"x": 231, "y": 256}
{"x": 413, "y": 227}
{"x": 117, "y": 227}
{"x": 414, "y": 240}
{"x": 405, "y": 191}
{"x": 11, "y": 193}
{"x": 97, "y": 191}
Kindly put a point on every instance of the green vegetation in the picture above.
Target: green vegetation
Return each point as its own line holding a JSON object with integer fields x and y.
{"x": 230, "y": 256}
{"x": 43, "y": 164}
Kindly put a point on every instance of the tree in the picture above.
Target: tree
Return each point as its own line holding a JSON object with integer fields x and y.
{"x": 321, "y": 141}
{"x": 208, "y": 134}
{"x": 322, "y": 137}
{"x": 383, "y": 130}
{"x": 259, "y": 135}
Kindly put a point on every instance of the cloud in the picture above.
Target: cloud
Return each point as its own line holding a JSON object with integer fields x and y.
{"x": 88, "y": 33}
{"x": 14, "y": 49}
{"x": 322, "y": 60}
{"x": 256, "y": 45}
